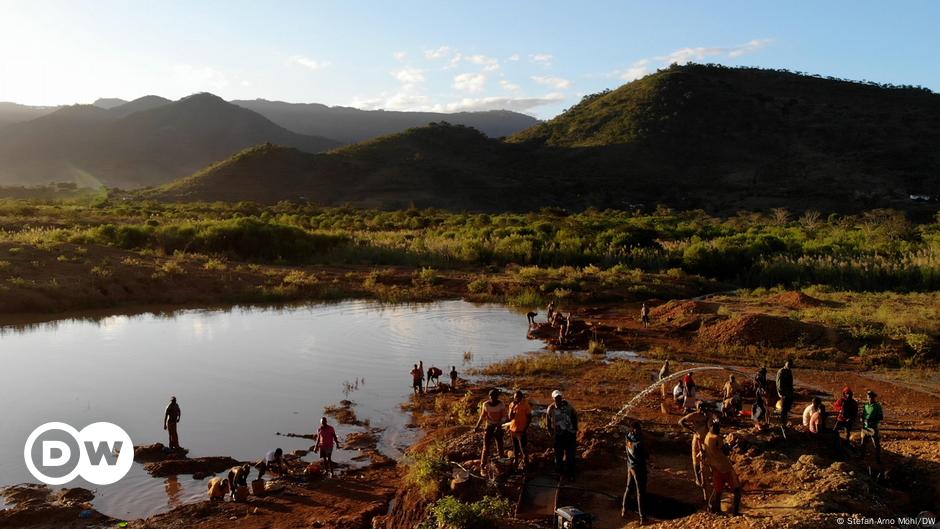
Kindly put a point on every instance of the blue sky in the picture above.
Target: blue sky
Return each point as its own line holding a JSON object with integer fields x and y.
{"x": 537, "y": 57}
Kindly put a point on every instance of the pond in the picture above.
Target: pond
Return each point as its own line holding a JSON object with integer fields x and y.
{"x": 241, "y": 375}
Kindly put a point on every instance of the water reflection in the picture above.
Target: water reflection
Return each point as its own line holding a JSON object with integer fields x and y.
{"x": 174, "y": 491}
{"x": 241, "y": 374}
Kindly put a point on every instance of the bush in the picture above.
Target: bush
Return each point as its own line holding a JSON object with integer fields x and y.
{"x": 427, "y": 470}
{"x": 451, "y": 513}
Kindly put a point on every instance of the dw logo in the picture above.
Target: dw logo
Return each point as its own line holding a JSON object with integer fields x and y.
{"x": 102, "y": 453}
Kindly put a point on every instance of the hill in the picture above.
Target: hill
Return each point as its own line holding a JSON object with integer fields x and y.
{"x": 695, "y": 136}
{"x": 351, "y": 125}
{"x": 147, "y": 141}
{"x": 14, "y": 113}
{"x": 108, "y": 103}
{"x": 722, "y": 138}
{"x": 439, "y": 165}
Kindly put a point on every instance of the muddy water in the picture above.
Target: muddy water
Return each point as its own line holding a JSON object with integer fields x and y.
{"x": 240, "y": 375}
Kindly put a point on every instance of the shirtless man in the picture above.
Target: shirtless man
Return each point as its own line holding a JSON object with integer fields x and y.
{"x": 723, "y": 474}
{"x": 697, "y": 423}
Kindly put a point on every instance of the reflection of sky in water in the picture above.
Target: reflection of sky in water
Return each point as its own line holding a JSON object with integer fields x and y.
{"x": 240, "y": 375}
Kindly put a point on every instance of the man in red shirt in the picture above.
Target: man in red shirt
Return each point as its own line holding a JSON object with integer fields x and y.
{"x": 326, "y": 439}
{"x": 417, "y": 375}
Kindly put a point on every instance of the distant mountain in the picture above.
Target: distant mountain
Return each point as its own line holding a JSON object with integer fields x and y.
{"x": 140, "y": 104}
{"x": 148, "y": 141}
{"x": 108, "y": 103}
{"x": 14, "y": 113}
{"x": 350, "y": 125}
{"x": 694, "y": 136}
{"x": 439, "y": 165}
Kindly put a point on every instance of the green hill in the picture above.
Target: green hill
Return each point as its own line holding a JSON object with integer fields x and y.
{"x": 439, "y": 165}
{"x": 695, "y": 136}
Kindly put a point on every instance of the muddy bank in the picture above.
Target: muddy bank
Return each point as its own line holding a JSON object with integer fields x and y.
{"x": 40, "y": 507}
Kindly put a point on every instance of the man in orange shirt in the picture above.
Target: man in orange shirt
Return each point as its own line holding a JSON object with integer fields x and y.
{"x": 494, "y": 412}
{"x": 520, "y": 415}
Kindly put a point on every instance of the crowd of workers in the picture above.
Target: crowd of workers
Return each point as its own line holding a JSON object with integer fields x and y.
{"x": 236, "y": 482}
{"x": 711, "y": 466}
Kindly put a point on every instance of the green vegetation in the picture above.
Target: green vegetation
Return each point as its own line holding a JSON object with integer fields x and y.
{"x": 549, "y": 254}
{"x": 536, "y": 364}
{"x": 427, "y": 470}
{"x": 451, "y": 513}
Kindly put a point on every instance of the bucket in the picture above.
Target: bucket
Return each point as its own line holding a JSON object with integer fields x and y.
{"x": 460, "y": 479}
{"x": 241, "y": 493}
{"x": 257, "y": 487}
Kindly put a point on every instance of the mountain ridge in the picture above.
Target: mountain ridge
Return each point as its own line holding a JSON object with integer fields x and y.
{"x": 693, "y": 136}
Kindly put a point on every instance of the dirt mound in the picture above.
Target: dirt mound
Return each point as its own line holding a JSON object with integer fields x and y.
{"x": 794, "y": 300}
{"x": 680, "y": 312}
{"x": 200, "y": 465}
{"x": 762, "y": 329}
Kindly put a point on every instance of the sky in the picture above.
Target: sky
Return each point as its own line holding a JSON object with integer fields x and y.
{"x": 532, "y": 56}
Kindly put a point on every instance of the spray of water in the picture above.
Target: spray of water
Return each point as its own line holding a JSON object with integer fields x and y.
{"x": 619, "y": 416}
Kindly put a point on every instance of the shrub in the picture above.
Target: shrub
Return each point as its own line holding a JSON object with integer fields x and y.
{"x": 451, "y": 513}
{"x": 427, "y": 470}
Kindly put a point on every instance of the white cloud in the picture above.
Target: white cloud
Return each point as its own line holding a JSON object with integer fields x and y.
{"x": 684, "y": 55}
{"x": 307, "y": 62}
{"x": 470, "y": 82}
{"x": 488, "y": 63}
{"x": 636, "y": 70}
{"x": 512, "y": 87}
{"x": 513, "y": 57}
{"x": 750, "y": 47}
{"x": 199, "y": 78}
{"x": 520, "y": 104}
{"x": 558, "y": 82}
{"x": 438, "y": 53}
{"x": 545, "y": 59}
{"x": 409, "y": 75}
{"x": 400, "y": 55}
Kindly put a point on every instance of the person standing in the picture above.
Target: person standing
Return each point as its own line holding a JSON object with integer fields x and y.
{"x": 785, "y": 390}
{"x": 697, "y": 423}
{"x": 872, "y": 415}
{"x": 494, "y": 412}
{"x": 520, "y": 416}
{"x": 689, "y": 390}
{"x": 847, "y": 407}
{"x": 663, "y": 374}
{"x": 759, "y": 408}
{"x": 645, "y": 315}
{"x": 326, "y": 440}
{"x": 731, "y": 397}
{"x": 417, "y": 375}
{"x": 171, "y": 417}
{"x": 723, "y": 474}
{"x": 453, "y": 377}
{"x": 637, "y": 470}
{"x": 530, "y": 316}
{"x": 562, "y": 422}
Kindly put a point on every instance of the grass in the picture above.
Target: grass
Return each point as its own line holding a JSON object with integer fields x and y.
{"x": 536, "y": 364}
